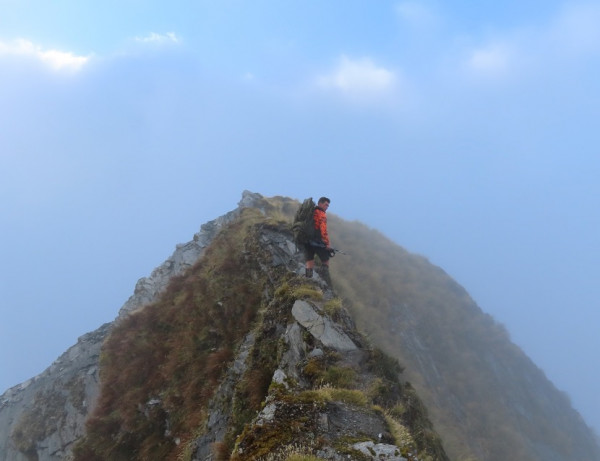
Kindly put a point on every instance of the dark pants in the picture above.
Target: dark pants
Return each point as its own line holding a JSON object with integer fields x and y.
{"x": 311, "y": 250}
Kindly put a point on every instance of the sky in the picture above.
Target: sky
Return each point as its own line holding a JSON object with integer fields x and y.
{"x": 464, "y": 131}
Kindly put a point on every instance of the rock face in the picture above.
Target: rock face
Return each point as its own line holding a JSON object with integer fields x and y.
{"x": 42, "y": 417}
{"x": 297, "y": 377}
{"x": 330, "y": 394}
{"x": 328, "y": 397}
{"x": 185, "y": 256}
{"x": 323, "y": 329}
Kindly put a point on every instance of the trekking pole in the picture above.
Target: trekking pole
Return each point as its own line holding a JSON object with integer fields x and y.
{"x": 322, "y": 245}
{"x": 340, "y": 252}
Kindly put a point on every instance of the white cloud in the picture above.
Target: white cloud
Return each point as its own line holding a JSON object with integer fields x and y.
{"x": 492, "y": 60}
{"x": 55, "y": 59}
{"x": 358, "y": 77}
{"x": 417, "y": 15}
{"x": 571, "y": 37}
{"x": 576, "y": 29}
{"x": 169, "y": 37}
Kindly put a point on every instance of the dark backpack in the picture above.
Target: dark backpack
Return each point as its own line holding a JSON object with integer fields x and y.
{"x": 303, "y": 226}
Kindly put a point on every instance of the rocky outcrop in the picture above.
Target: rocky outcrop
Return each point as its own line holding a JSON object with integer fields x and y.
{"x": 274, "y": 365}
{"x": 298, "y": 378}
{"x": 323, "y": 329}
{"x": 41, "y": 418}
{"x": 219, "y": 418}
{"x": 185, "y": 256}
{"x": 331, "y": 395}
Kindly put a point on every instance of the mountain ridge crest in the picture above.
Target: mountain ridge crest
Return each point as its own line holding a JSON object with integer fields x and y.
{"x": 460, "y": 362}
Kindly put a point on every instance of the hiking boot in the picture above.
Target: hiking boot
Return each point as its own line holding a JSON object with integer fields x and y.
{"x": 323, "y": 272}
{"x": 308, "y": 273}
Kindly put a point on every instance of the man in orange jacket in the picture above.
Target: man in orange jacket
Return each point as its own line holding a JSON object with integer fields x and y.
{"x": 320, "y": 245}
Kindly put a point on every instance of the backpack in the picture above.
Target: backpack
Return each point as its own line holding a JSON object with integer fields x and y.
{"x": 303, "y": 226}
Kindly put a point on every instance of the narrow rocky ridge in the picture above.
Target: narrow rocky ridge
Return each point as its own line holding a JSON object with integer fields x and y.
{"x": 302, "y": 379}
{"x": 306, "y": 410}
{"x": 31, "y": 427}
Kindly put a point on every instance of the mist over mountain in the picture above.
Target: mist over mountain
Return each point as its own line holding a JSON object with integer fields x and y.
{"x": 227, "y": 352}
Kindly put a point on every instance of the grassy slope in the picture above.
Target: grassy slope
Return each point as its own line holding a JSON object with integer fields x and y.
{"x": 168, "y": 357}
{"x": 163, "y": 362}
{"x": 486, "y": 398}
{"x": 172, "y": 353}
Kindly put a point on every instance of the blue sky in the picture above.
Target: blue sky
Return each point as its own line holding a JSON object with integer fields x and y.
{"x": 465, "y": 131}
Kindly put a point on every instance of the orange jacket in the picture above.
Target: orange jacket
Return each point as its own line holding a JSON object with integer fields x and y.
{"x": 320, "y": 219}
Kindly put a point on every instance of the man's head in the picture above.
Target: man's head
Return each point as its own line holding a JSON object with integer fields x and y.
{"x": 323, "y": 203}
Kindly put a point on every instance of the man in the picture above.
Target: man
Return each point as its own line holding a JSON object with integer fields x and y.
{"x": 320, "y": 245}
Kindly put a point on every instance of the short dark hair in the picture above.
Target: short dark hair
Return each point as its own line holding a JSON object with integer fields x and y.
{"x": 323, "y": 200}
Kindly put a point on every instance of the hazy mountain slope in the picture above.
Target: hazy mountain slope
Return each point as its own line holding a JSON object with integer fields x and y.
{"x": 486, "y": 398}
{"x": 167, "y": 394}
{"x": 223, "y": 358}
{"x": 43, "y": 417}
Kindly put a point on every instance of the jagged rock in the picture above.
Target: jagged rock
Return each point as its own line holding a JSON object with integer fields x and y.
{"x": 267, "y": 415}
{"x": 323, "y": 387}
{"x": 321, "y": 327}
{"x": 379, "y": 451}
{"x": 220, "y": 406}
{"x": 44, "y": 416}
{"x": 280, "y": 377}
{"x": 73, "y": 377}
{"x": 184, "y": 256}
{"x": 295, "y": 352}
